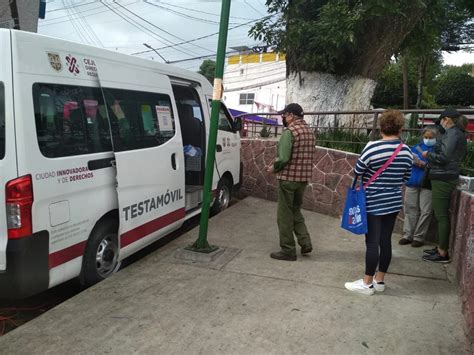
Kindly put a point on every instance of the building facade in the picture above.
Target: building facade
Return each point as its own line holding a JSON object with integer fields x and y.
{"x": 20, "y": 14}
{"x": 255, "y": 82}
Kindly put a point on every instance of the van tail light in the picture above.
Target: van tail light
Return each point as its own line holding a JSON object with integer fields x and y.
{"x": 19, "y": 203}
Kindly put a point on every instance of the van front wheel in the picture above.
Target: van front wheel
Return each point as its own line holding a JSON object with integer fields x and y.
{"x": 223, "y": 196}
{"x": 101, "y": 254}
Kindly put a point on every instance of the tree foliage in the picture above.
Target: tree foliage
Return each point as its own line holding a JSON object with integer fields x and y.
{"x": 455, "y": 86}
{"x": 351, "y": 37}
{"x": 389, "y": 90}
{"x": 208, "y": 69}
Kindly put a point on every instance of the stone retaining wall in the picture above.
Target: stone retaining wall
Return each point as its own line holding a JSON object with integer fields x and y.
{"x": 462, "y": 246}
{"x": 324, "y": 194}
{"x": 332, "y": 175}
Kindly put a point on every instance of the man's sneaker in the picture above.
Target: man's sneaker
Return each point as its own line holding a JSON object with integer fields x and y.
{"x": 417, "y": 243}
{"x": 306, "y": 249}
{"x": 280, "y": 255}
{"x": 360, "y": 287}
{"x": 436, "y": 258}
{"x": 404, "y": 241}
{"x": 379, "y": 286}
{"x": 431, "y": 251}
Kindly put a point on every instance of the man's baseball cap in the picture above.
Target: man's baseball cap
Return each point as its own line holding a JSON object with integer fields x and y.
{"x": 293, "y": 108}
{"x": 449, "y": 112}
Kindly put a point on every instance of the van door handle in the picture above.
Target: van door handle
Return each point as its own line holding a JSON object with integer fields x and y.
{"x": 173, "y": 161}
{"x": 218, "y": 148}
{"x": 100, "y": 163}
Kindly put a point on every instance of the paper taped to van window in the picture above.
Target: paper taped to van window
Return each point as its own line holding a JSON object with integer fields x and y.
{"x": 164, "y": 118}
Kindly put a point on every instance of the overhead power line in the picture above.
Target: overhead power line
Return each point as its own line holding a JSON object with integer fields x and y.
{"x": 202, "y": 12}
{"x": 157, "y": 27}
{"x": 82, "y": 22}
{"x": 257, "y": 11}
{"x": 196, "y": 58}
{"x": 206, "y": 36}
{"x": 137, "y": 25}
{"x": 199, "y": 19}
{"x": 63, "y": 8}
{"x": 50, "y": 22}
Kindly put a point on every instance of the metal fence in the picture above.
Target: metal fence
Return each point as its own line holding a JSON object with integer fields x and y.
{"x": 359, "y": 122}
{"x": 351, "y": 130}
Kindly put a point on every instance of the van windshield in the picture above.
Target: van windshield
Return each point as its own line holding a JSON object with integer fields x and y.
{"x": 2, "y": 121}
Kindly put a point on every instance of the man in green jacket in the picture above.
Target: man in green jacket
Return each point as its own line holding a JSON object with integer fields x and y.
{"x": 294, "y": 168}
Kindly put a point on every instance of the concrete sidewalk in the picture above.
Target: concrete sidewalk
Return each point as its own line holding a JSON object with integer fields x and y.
{"x": 246, "y": 303}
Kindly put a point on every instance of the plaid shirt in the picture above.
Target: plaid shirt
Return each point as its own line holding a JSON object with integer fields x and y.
{"x": 300, "y": 166}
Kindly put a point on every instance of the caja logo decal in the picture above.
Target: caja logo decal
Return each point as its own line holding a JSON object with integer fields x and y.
{"x": 73, "y": 67}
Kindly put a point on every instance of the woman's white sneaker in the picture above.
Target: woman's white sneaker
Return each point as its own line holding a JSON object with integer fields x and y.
{"x": 360, "y": 287}
{"x": 379, "y": 286}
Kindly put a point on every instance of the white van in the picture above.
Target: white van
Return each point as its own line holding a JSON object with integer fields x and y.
{"x": 101, "y": 154}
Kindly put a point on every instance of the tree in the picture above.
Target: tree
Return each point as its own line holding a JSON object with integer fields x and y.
{"x": 389, "y": 90}
{"x": 336, "y": 48}
{"x": 208, "y": 68}
{"x": 455, "y": 86}
{"x": 446, "y": 26}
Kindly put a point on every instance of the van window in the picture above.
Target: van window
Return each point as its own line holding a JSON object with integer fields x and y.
{"x": 225, "y": 122}
{"x": 139, "y": 119}
{"x": 225, "y": 119}
{"x": 190, "y": 115}
{"x": 70, "y": 120}
{"x": 2, "y": 121}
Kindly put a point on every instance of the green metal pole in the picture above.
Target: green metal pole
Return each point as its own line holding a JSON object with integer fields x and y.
{"x": 201, "y": 243}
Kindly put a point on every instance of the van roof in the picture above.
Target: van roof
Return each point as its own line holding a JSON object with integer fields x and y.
{"x": 161, "y": 67}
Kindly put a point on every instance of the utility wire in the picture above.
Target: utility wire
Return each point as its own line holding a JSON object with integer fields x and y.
{"x": 88, "y": 27}
{"x": 81, "y": 35}
{"x": 257, "y": 11}
{"x": 199, "y": 19}
{"x": 45, "y": 23}
{"x": 63, "y": 8}
{"x": 202, "y": 12}
{"x": 133, "y": 23}
{"x": 161, "y": 29}
{"x": 142, "y": 28}
{"x": 206, "y": 36}
{"x": 87, "y": 31}
{"x": 196, "y": 58}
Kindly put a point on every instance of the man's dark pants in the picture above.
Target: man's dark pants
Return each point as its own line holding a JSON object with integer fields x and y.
{"x": 290, "y": 219}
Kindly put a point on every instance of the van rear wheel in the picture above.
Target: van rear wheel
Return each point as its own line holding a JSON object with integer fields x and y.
{"x": 101, "y": 254}
{"x": 223, "y": 196}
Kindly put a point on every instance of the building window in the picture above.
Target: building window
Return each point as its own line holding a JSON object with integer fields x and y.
{"x": 246, "y": 99}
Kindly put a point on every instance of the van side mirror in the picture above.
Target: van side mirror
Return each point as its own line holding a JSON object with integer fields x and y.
{"x": 238, "y": 124}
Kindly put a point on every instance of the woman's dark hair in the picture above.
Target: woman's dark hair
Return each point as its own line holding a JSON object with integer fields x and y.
{"x": 391, "y": 122}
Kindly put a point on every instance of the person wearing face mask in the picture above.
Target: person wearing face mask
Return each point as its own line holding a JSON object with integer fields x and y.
{"x": 444, "y": 162}
{"x": 417, "y": 203}
{"x": 294, "y": 168}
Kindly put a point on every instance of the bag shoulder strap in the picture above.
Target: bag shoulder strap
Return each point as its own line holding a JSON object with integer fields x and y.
{"x": 383, "y": 167}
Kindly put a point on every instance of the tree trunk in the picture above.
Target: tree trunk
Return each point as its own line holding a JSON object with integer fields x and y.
{"x": 327, "y": 92}
{"x": 421, "y": 80}
{"x": 405, "y": 82}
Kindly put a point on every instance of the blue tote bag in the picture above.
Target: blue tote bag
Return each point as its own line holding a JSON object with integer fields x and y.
{"x": 354, "y": 217}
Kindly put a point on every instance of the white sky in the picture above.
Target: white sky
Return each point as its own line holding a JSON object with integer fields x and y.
{"x": 169, "y": 22}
